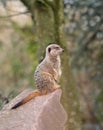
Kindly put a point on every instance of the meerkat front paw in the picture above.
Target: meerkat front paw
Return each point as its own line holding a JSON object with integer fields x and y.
{"x": 56, "y": 87}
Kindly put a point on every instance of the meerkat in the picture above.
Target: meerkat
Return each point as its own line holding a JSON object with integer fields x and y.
{"x": 46, "y": 74}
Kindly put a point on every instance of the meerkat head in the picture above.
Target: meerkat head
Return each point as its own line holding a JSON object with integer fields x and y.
{"x": 54, "y": 50}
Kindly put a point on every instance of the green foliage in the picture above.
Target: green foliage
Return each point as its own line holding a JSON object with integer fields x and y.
{"x": 31, "y": 47}
{"x": 1, "y": 103}
{"x": 17, "y": 66}
{"x": 29, "y": 36}
{"x": 27, "y": 33}
{"x": 19, "y": 59}
{"x": 85, "y": 31}
{"x": 0, "y": 45}
{"x": 99, "y": 106}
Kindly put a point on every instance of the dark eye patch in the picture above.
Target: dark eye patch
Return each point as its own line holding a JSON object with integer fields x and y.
{"x": 49, "y": 49}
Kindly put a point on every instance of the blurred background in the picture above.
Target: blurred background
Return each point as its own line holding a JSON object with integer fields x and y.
{"x": 84, "y": 32}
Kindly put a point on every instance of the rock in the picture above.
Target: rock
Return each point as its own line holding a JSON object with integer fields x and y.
{"x": 41, "y": 113}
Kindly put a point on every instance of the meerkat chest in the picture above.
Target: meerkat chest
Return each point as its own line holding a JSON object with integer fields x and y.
{"x": 57, "y": 67}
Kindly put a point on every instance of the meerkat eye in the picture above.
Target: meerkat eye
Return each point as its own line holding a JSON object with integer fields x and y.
{"x": 57, "y": 48}
{"x": 49, "y": 49}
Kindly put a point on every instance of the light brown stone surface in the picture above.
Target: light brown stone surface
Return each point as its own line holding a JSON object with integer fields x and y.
{"x": 41, "y": 113}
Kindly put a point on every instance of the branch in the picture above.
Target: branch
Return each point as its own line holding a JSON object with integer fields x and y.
{"x": 30, "y": 6}
{"x": 16, "y": 14}
{"x": 50, "y": 3}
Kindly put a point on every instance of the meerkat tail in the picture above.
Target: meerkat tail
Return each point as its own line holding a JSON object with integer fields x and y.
{"x": 27, "y": 99}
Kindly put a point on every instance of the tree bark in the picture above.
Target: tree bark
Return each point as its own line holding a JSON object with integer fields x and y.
{"x": 49, "y": 19}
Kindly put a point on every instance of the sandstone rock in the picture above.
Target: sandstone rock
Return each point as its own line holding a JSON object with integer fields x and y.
{"x": 41, "y": 113}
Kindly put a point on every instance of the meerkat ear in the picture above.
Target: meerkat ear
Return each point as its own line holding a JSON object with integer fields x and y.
{"x": 49, "y": 49}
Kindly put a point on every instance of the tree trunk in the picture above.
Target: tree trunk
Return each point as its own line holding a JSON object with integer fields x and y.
{"x": 49, "y": 23}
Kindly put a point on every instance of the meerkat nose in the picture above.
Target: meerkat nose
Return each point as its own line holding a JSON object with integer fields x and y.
{"x": 62, "y": 50}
